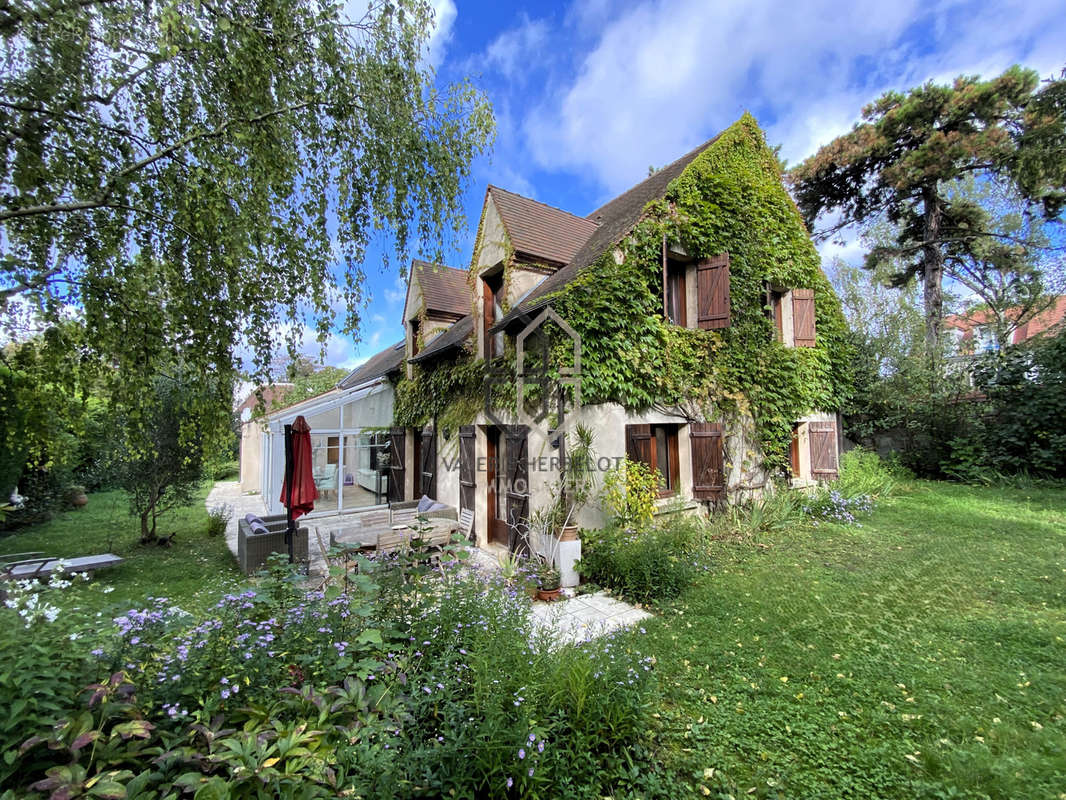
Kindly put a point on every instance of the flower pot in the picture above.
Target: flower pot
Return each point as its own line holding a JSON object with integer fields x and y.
{"x": 568, "y": 533}
{"x": 549, "y": 595}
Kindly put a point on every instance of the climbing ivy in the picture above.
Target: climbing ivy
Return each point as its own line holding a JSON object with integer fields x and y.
{"x": 729, "y": 199}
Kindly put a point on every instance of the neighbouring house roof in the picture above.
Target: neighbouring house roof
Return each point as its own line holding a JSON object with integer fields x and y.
{"x": 273, "y": 397}
{"x": 378, "y": 365}
{"x": 444, "y": 289}
{"x": 614, "y": 220}
{"x": 452, "y": 338}
{"x": 538, "y": 230}
{"x": 1048, "y": 319}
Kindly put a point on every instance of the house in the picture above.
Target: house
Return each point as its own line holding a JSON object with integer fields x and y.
{"x": 267, "y": 397}
{"x": 976, "y": 332}
{"x": 686, "y": 323}
{"x": 712, "y": 347}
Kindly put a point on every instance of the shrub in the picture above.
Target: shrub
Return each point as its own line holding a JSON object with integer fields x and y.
{"x": 629, "y": 493}
{"x": 644, "y": 565}
{"x": 862, "y": 472}
{"x": 218, "y": 519}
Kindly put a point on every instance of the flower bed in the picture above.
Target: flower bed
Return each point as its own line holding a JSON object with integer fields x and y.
{"x": 410, "y": 679}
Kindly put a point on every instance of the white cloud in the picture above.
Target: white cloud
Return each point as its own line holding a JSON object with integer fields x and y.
{"x": 664, "y": 75}
{"x": 444, "y": 14}
{"x": 398, "y": 293}
{"x": 512, "y": 54}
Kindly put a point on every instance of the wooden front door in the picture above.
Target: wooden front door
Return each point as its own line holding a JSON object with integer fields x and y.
{"x": 516, "y": 479}
{"x": 397, "y": 437}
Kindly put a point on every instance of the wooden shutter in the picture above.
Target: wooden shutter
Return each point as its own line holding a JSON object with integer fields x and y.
{"x": 708, "y": 461}
{"x": 639, "y": 443}
{"x": 428, "y": 467}
{"x": 467, "y": 464}
{"x": 803, "y": 317}
{"x": 823, "y": 439}
{"x": 397, "y": 440}
{"x": 712, "y": 292}
{"x": 516, "y": 476}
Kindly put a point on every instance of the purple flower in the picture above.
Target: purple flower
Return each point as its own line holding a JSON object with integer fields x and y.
{"x": 521, "y": 753}
{"x": 510, "y": 782}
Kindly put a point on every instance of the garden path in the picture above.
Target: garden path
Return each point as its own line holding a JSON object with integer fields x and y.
{"x": 229, "y": 493}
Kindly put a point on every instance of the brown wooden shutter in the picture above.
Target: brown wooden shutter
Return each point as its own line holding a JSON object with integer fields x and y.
{"x": 803, "y": 317}
{"x": 467, "y": 465}
{"x": 428, "y": 467}
{"x": 823, "y": 439}
{"x": 517, "y": 479}
{"x": 397, "y": 439}
{"x": 712, "y": 292}
{"x": 708, "y": 460}
{"x": 638, "y": 443}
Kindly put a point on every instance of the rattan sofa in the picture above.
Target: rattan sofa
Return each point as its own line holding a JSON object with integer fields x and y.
{"x": 379, "y": 526}
{"x": 253, "y": 549}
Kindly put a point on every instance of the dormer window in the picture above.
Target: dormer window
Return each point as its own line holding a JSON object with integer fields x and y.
{"x": 492, "y": 312}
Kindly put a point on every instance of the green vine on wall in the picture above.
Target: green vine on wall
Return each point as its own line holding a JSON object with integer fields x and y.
{"x": 730, "y": 199}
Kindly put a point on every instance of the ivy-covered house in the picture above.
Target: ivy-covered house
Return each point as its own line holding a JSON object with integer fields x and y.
{"x": 712, "y": 347}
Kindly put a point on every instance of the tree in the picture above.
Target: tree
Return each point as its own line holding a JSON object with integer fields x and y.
{"x": 163, "y": 472}
{"x": 894, "y": 165}
{"x": 186, "y": 174}
{"x": 1008, "y": 274}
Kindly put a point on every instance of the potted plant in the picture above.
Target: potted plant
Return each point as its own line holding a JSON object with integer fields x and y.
{"x": 575, "y": 485}
{"x": 548, "y": 588}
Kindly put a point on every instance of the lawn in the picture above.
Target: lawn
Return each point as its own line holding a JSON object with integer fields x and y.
{"x": 194, "y": 568}
{"x": 920, "y": 655}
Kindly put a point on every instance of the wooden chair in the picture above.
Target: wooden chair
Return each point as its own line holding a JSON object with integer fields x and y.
{"x": 466, "y": 523}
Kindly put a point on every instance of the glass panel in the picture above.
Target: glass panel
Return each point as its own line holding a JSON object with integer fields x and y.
{"x": 329, "y": 418}
{"x": 662, "y": 457}
{"x": 366, "y": 475}
{"x": 325, "y": 453}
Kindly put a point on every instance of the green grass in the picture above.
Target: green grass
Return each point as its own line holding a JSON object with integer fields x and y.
{"x": 922, "y": 655}
{"x": 190, "y": 571}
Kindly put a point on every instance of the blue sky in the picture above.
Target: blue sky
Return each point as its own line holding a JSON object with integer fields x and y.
{"x": 588, "y": 95}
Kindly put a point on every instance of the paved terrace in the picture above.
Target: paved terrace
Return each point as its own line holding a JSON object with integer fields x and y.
{"x": 575, "y": 619}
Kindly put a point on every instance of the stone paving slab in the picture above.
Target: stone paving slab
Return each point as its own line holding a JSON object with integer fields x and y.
{"x": 586, "y": 617}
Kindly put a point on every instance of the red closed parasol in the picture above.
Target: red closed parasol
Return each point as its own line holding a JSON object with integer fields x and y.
{"x": 298, "y": 492}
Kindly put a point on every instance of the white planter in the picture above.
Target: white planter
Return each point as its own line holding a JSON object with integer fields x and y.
{"x": 565, "y": 557}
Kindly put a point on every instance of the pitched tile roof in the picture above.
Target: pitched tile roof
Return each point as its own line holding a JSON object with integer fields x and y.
{"x": 539, "y": 230}
{"x": 444, "y": 289}
{"x": 1048, "y": 319}
{"x": 450, "y": 339}
{"x": 388, "y": 360}
{"x": 614, "y": 221}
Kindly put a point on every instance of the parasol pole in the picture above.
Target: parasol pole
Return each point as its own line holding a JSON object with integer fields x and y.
{"x": 289, "y": 470}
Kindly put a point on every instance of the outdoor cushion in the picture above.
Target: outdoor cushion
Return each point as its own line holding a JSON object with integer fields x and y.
{"x": 252, "y": 519}
{"x": 437, "y": 507}
{"x": 426, "y": 503}
{"x": 258, "y": 527}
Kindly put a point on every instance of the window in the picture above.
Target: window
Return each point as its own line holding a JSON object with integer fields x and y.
{"x": 676, "y": 298}
{"x": 656, "y": 446}
{"x": 792, "y": 312}
{"x": 414, "y": 337}
{"x": 492, "y": 311}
